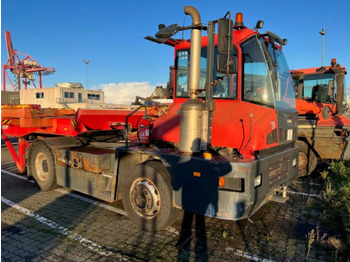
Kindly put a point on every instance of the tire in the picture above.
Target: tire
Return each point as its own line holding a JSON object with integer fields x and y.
{"x": 147, "y": 196}
{"x": 307, "y": 159}
{"x": 42, "y": 166}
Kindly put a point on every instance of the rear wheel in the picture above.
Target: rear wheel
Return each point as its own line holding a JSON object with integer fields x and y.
{"x": 307, "y": 159}
{"x": 147, "y": 196}
{"x": 43, "y": 166}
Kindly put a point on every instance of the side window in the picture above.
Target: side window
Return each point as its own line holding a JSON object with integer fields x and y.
{"x": 182, "y": 73}
{"x": 68, "y": 94}
{"x": 39, "y": 95}
{"x": 93, "y": 96}
{"x": 225, "y": 86}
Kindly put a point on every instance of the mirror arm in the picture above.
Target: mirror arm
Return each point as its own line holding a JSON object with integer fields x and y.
{"x": 199, "y": 26}
{"x": 229, "y": 38}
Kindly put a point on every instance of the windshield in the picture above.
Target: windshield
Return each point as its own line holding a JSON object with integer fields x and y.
{"x": 225, "y": 87}
{"x": 316, "y": 87}
{"x": 257, "y": 85}
{"x": 284, "y": 92}
{"x": 345, "y": 99}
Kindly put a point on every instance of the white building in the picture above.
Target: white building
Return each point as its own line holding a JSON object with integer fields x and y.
{"x": 64, "y": 95}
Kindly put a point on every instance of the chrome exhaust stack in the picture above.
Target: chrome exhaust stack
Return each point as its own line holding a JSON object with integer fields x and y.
{"x": 195, "y": 58}
{"x": 191, "y": 111}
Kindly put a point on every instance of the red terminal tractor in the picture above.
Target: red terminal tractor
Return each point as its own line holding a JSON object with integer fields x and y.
{"x": 225, "y": 147}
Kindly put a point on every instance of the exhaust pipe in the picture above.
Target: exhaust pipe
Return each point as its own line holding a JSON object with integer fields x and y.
{"x": 191, "y": 110}
{"x": 196, "y": 38}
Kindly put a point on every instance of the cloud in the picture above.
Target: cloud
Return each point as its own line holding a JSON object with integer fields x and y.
{"x": 125, "y": 92}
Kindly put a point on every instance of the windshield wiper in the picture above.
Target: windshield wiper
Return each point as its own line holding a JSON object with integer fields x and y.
{"x": 272, "y": 62}
{"x": 274, "y": 39}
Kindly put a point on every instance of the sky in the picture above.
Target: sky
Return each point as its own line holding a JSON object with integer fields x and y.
{"x": 110, "y": 33}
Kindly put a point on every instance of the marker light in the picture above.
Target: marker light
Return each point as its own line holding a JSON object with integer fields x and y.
{"x": 221, "y": 182}
{"x": 207, "y": 155}
{"x": 239, "y": 21}
{"x": 333, "y": 61}
{"x": 257, "y": 181}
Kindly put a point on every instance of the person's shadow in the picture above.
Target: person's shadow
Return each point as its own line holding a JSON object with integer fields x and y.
{"x": 186, "y": 236}
{"x": 195, "y": 183}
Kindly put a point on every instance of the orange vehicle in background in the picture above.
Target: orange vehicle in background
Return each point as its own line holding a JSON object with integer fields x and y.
{"x": 323, "y": 129}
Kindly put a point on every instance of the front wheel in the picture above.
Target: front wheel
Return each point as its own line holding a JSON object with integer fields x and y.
{"x": 307, "y": 159}
{"x": 147, "y": 196}
{"x": 43, "y": 166}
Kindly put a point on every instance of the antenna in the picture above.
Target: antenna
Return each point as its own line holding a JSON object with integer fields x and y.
{"x": 323, "y": 33}
{"x": 183, "y": 32}
{"x": 87, "y": 61}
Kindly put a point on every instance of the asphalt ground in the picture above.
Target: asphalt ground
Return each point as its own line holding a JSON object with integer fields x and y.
{"x": 61, "y": 225}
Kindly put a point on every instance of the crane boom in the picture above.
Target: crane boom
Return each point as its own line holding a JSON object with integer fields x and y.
{"x": 24, "y": 68}
{"x": 10, "y": 51}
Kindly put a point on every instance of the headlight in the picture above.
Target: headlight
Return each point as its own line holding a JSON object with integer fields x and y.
{"x": 257, "y": 181}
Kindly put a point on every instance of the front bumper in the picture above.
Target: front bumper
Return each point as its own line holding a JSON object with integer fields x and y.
{"x": 195, "y": 182}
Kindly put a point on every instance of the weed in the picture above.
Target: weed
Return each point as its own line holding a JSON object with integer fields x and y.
{"x": 309, "y": 202}
{"x": 336, "y": 247}
{"x": 319, "y": 238}
{"x": 314, "y": 237}
{"x": 310, "y": 240}
{"x": 324, "y": 174}
{"x": 335, "y": 243}
{"x": 224, "y": 234}
{"x": 336, "y": 193}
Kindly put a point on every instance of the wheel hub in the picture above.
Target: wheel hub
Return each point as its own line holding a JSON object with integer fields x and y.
{"x": 302, "y": 160}
{"x": 41, "y": 166}
{"x": 145, "y": 198}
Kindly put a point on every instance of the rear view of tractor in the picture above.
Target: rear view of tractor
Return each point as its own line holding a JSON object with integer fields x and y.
{"x": 324, "y": 129}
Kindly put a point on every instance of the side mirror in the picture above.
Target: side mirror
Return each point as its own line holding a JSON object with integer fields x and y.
{"x": 325, "y": 112}
{"x": 330, "y": 88}
{"x": 222, "y": 64}
{"x": 259, "y": 24}
{"x": 225, "y": 31}
{"x": 336, "y": 98}
{"x": 167, "y": 32}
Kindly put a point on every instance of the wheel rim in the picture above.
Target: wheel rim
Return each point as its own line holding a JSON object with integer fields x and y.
{"x": 145, "y": 198}
{"x": 41, "y": 166}
{"x": 302, "y": 160}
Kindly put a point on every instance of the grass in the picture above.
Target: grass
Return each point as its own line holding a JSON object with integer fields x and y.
{"x": 337, "y": 184}
{"x": 335, "y": 200}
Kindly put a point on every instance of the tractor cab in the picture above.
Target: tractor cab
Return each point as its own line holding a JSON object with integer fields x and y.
{"x": 320, "y": 91}
{"x": 248, "y": 91}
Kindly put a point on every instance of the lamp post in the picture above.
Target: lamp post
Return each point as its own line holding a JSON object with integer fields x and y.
{"x": 86, "y": 61}
{"x": 323, "y": 33}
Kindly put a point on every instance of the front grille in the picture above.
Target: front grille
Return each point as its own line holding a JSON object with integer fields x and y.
{"x": 278, "y": 170}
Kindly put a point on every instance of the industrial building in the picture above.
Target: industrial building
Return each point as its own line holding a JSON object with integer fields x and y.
{"x": 9, "y": 97}
{"x": 64, "y": 95}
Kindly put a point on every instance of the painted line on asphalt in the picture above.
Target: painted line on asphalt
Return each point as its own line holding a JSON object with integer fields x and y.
{"x": 87, "y": 200}
{"x": 65, "y": 192}
{"x": 5, "y": 146}
{"x": 93, "y": 202}
{"x": 99, "y": 249}
{"x": 18, "y": 176}
{"x": 122, "y": 212}
{"x": 251, "y": 257}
